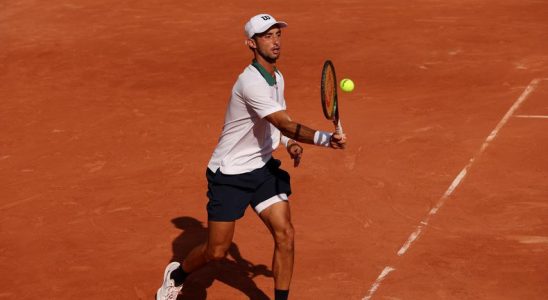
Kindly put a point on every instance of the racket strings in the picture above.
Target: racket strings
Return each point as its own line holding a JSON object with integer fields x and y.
{"x": 329, "y": 91}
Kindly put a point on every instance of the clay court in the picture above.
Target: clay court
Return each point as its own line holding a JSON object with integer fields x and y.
{"x": 109, "y": 112}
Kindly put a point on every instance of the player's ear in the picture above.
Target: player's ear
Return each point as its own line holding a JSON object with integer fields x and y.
{"x": 251, "y": 43}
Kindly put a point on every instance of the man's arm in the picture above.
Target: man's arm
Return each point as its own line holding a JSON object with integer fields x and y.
{"x": 299, "y": 132}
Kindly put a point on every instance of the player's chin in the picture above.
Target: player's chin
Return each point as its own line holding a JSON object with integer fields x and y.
{"x": 275, "y": 54}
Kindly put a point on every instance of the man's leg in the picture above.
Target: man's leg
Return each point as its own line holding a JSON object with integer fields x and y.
{"x": 277, "y": 218}
{"x": 219, "y": 238}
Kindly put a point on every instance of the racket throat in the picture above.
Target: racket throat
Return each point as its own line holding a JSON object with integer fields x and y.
{"x": 338, "y": 127}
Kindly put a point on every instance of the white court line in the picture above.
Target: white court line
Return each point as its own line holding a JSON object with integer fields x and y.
{"x": 377, "y": 283}
{"x": 456, "y": 182}
{"x": 532, "y": 116}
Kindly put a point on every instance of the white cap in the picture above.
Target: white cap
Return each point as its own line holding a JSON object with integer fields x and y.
{"x": 260, "y": 23}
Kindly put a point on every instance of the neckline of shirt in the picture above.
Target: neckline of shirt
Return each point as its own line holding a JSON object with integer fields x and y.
{"x": 271, "y": 80}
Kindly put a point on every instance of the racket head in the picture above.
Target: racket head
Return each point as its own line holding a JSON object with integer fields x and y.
{"x": 329, "y": 91}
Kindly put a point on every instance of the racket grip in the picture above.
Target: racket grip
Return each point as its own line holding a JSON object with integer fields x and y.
{"x": 338, "y": 127}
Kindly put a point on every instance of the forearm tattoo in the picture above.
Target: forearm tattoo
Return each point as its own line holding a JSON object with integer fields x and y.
{"x": 297, "y": 131}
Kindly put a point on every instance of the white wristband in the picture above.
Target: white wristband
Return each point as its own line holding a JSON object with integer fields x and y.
{"x": 322, "y": 138}
{"x": 284, "y": 140}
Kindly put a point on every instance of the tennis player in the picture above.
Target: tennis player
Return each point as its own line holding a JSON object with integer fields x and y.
{"x": 242, "y": 171}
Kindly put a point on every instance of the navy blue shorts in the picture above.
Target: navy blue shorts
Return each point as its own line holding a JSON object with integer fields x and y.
{"x": 229, "y": 195}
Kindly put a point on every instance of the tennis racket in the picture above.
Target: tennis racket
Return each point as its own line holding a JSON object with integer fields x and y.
{"x": 330, "y": 103}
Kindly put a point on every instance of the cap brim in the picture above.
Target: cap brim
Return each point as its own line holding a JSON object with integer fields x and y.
{"x": 281, "y": 24}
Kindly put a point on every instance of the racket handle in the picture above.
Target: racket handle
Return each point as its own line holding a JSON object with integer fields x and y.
{"x": 338, "y": 127}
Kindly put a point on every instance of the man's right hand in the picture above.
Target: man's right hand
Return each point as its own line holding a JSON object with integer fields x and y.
{"x": 338, "y": 141}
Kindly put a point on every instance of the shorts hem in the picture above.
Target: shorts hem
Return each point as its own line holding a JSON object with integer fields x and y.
{"x": 269, "y": 202}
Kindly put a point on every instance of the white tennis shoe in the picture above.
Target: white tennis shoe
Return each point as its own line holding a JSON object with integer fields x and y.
{"x": 168, "y": 290}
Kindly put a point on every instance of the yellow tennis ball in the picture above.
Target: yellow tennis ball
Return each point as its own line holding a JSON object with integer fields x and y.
{"x": 347, "y": 85}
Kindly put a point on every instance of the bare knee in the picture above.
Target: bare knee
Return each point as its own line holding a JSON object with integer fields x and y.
{"x": 216, "y": 253}
{"x": 285, "y": 237}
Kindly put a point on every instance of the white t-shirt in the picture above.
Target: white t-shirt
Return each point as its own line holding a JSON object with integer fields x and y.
{"x": 248, "y": 140}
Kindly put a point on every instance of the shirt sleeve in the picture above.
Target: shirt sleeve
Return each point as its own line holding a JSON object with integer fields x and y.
{"x": 259, "y": 99}
{"x": 284, "y": 140}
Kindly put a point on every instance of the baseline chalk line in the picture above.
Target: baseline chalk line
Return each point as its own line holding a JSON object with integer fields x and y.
{"x": 532, "y": 116}
{"x": 456, "y": 182}
{"x": 377, "y": 283}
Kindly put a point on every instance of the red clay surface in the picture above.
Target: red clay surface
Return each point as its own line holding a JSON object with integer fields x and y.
{"x": 109, "y": 111}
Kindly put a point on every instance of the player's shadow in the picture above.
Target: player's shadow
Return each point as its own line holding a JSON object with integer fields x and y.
{"x": 234, "y": 271}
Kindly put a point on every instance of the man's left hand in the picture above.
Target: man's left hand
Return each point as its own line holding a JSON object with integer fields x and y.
{"x": 295, "y": 151}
